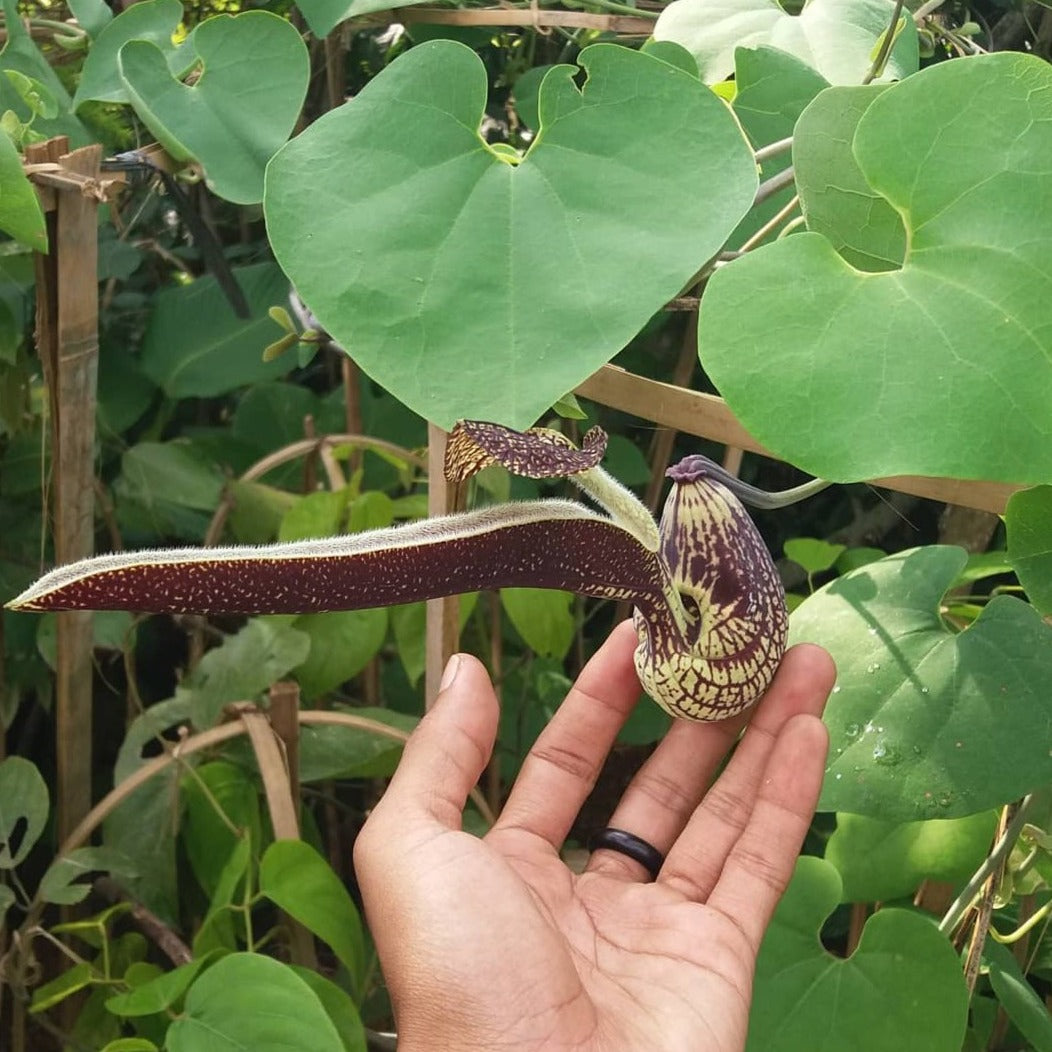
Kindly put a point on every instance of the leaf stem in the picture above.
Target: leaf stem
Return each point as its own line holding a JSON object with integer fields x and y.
{"x": 960, "y": 906}
{"x": 886, "y": 44}
{"x": 769, "y": 187}
{"x": 773, "y": 149}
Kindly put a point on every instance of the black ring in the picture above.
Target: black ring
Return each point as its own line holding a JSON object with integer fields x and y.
{"x": 629, "y": 844}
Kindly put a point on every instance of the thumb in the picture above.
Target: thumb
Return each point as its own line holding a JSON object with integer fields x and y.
{"x": 447, "y": 753}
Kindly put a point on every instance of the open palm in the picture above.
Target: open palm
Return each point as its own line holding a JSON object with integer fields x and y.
{"x": 497, "y": 944}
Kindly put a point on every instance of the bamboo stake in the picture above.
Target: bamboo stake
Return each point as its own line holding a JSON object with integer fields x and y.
{"x": 443, "y": 615}
{"x": 67, "y": 342}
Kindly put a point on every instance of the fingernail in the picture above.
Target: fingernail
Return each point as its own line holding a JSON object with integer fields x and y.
{"x": 450, "y": 672}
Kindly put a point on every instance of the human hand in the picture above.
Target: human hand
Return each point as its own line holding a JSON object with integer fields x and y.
{"x": 496, "y": 944}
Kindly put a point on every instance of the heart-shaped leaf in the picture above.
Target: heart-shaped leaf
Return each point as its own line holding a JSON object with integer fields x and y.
{"x": 242, "y": 109}
{"x": 901, "y": 988}
{"x": 836, "y": 37}
{"x": 837, "y": 201}
{"x": 154, "y": 20}
{"x": 472, "y": 286}
{"x": 878, "y": 860}
{"x": 925, "y": 721}
{"x": 894, "y": 361}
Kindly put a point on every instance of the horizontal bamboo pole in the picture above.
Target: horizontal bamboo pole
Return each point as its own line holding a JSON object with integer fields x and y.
{"x": 534, "y": 17}
{"x": 709, "y": 416}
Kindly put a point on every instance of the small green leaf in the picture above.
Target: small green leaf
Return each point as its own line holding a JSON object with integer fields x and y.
{"x": 543, "y": 617}
{"x": 321, "y": 514}
{"x": 298, "y": 880}
{"x": 903, "y": 979}
{"x": 65, "y": 985}
{"x": 1028, "y": 520}
{"x": 878, "y": 861}
{"x": 814, "y": 555}
{"x": 160, "y": 993}
{"x": 23, "y": 809}
{"x": 57, "y": 885}
{"x": 224, "y": 1010}
{"x": 130, "y": 1044}
{"x": 36, "y": 96}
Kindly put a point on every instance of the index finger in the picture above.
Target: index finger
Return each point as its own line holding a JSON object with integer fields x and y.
{"x": 565, "y": 761}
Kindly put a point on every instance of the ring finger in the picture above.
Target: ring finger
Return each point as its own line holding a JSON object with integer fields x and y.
{"x": 666, "y": 791}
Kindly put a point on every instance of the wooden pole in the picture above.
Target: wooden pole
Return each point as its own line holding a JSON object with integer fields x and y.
{"x": 443, "y": 615}
{"x": 67, "y": 343}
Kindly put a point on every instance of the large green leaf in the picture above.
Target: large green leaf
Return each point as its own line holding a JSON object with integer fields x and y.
{"x": 342, "y": 643}
{"x": 927, "y": 722}
{"x": 836, "y": 199}
{"x": 878, "y": 860}
{"x": 245, "y": 665}
{"x": 154, "y": 20}
{"x": 23, "y": 809}
{"x": 166, "y": 489}
{"x": 20, "y": 214}
{"x": 836, "y": 37}
{"x": 336, "y": 751}
{"x": 891, "y": 363}
{"x": 473, "y": 286}
{"x": 1028, "y": 521}
{"x": 196, "y": 347}
{"x": 901, "y": 988}
{"x": 295, "y": 877}
{"x": 242, "y": 109}
{"x": 247, "y": 1001}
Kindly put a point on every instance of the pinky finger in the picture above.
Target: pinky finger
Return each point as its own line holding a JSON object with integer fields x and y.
{"x": 760, "y": 864}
